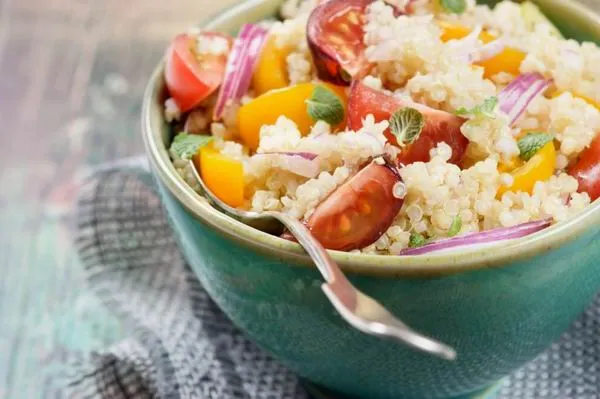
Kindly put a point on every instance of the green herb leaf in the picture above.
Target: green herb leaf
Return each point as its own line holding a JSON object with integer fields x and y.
{"x": 325, "y": 105}
{"x": 532, "y": 143}
{"x": 416, "y": 240}
{"x": 406, "y": 124}
{"x": 454, "y": 6}
{"x": 185, "y": 145}
{"x": 486, "y": 109}
{"x": 455, "y": 227}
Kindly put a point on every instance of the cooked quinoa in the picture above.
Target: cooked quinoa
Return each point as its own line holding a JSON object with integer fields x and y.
{"x": 413, "y": 64}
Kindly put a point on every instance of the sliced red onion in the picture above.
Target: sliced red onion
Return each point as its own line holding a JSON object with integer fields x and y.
{"x": 306, "y": 155}
{"x": 472, "y": 50}
{"x": 488, "y": 50}
{"x": 464, "y": 47}
{"x": 303, "y": 164}
{"x": 484, "y": 238}
{"x": 515, "y": 97}
{"x": 240, "y": 65}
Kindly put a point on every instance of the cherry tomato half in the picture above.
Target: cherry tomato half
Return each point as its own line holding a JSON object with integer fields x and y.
{"x": 190, "y": 79}
{"x": 440, "y": 126}
{"x": 359, "y": 211}
{"x": 587, "y": 170}
{"x": 335, "y": 37}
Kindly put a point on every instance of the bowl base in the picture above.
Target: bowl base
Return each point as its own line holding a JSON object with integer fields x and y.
{"x": 318, "y": 392}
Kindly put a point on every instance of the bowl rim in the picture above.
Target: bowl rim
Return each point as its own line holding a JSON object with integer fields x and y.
{"x": 366, "y": 264}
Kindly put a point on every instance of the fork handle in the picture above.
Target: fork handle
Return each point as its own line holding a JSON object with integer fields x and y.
{"x": 345, "y": 297}
{"x": 327, "y": 267}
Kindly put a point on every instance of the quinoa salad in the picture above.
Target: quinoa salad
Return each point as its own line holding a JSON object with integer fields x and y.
{"x": 395, "y": 127}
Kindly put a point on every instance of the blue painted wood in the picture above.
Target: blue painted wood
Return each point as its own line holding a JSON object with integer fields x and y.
{"x": 72, "y": 74}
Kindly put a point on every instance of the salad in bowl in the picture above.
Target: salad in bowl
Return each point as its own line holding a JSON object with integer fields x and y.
{"x": 398, "y": 127}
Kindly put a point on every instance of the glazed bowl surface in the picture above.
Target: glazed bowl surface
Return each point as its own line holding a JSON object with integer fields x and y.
{"x": 499, "y": 307}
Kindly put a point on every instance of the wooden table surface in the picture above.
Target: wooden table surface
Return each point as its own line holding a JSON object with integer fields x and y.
{"x": 72, "y": 74}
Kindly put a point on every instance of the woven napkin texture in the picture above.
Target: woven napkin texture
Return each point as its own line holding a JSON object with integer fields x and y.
{"x": 182, "y": 345}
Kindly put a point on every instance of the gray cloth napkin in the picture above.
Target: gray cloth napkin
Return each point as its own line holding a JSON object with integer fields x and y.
{"x": 183, "y": 346}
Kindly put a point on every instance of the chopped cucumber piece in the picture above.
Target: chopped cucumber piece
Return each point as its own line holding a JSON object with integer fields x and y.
{"x": 533, "y": 16}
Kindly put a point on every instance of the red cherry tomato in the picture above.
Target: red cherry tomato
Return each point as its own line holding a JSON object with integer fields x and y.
{"x": 440, "y": 126}
{"x": 587, "y": 170}
{"x": 359, "y": 211}
{"x": 191, "y": 79}
{"x": 335, "y": 37}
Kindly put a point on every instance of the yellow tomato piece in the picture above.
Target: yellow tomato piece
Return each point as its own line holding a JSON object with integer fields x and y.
{"x": 271, "y": 69}
{"x": 540, "y": 167}
{"x": 587, "y": 99}
{"x": 223, "y": 175}
{"x": 289, "y": 102}
{"x": 509, "y": 60}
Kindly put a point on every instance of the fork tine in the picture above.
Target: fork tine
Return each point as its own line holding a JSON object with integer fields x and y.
{"x": 359, "y": 310}
{"x": 370, "y": 317}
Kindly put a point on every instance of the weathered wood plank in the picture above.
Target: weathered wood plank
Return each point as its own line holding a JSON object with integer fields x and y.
{"x": 72, "y": 76}
{"x": 61, "y": 63}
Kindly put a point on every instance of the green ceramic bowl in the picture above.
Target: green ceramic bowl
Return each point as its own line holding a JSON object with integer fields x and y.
{"x": 498, "y": 307}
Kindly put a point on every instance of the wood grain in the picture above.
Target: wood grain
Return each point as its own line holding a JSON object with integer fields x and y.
{"x": 72, "y": 73}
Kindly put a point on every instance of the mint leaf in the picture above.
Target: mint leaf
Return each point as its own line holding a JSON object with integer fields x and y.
{"x": 406, "y": 124}
{"x": 325, "y": 105}
{"x": 488, "y": 106}
{"x": 530, "y": 144}
{"x": 486, "y": 109}
{"x": 416, "y": 240}
{"x": 454, "y": 6}
{"x": 185, "y": 145}
{"x": 455, "y": 227}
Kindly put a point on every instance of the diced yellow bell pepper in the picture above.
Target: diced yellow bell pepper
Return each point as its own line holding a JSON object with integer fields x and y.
{"x": 587, "y": 99}
{"x": 271, "y": 69}
{"x": 509, "y": 60}
{"x": 221, "y": 174}
{"x": 457, "y": 32}
{"x": 540, "y": 167}
{"x": 289, "y": 102}
{"x": 452, "y": 31}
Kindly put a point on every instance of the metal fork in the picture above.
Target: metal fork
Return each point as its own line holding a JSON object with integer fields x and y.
{"x": 358, "y": 309}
